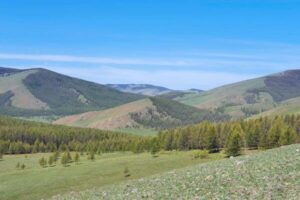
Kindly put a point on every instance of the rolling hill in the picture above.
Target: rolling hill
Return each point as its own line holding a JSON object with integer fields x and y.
{"x": 40, "y": 92}
{"x": 149, "y": 113}
{"x": 251, "y": 97}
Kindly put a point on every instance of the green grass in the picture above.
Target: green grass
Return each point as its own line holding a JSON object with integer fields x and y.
{"x": 273, "y": 174}
{"x": 35, "y": 182}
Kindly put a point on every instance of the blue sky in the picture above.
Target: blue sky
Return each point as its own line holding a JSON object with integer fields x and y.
{"x": 173, "y": 43}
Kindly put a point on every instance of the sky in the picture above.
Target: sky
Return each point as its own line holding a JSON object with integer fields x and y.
{"x": 172, "y": 43}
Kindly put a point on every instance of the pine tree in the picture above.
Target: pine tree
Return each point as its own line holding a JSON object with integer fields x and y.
{"x": 77, "y": 157}
{"x": 154, "y": 147}
{"x": 274, "y": 133}
{"x": 91, "y": 156}
{"x": 56, "y": 156}
{"x": 233, "y": 144}
{"x": 64, "y": 160}
{"x": 211, "y": 143}
{"x": 168, "y": 142}
{"x": 23, "y": 166}
{"x": 36, "y": 146}
{"x": 69, "y": 157}
{"x": 263, "y": 143}
{"x": 182, "y": 141}
{"x": 42, "y": 162}
{"x": 51, "y": 160}
{"x": 289, "y": 136}
{"x": 252, "y": 137}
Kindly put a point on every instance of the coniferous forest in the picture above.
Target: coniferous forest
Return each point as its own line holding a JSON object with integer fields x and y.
{"x": 19, "y": 136}
{"x": 263, "y": 133}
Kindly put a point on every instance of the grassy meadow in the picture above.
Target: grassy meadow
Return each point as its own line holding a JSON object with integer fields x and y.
{"x": 35, "y": 182}
{"x": 272, "y": 174}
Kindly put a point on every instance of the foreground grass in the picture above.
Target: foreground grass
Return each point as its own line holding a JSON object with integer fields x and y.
{"x": 273, "y": 174}
{"x": 35, "y": 182}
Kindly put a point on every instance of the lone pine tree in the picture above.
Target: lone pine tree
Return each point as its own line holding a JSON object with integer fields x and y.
{"x": 233, "y": 144}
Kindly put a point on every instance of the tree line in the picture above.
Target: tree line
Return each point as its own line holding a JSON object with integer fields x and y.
{"x": 19, "y": 136}
{"x": 263, "y": 133}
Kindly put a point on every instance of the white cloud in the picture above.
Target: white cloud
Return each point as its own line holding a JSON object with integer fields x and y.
{"x": 205, "y": 60}
{"x": 97, "y": 60}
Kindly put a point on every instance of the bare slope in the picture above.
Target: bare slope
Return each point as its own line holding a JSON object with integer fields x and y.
{"x": 20, "y": 96}
{"x": 113, "y": 118}
{"x": 150, "y": 113}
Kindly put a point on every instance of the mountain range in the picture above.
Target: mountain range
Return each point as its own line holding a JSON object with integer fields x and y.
{"x": 43, "y": 94}
{"x": 150, "y": 90}
{"x": 143, "y": 89}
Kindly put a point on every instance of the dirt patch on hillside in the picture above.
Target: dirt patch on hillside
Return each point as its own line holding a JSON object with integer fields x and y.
{"x": 118, "y": 117}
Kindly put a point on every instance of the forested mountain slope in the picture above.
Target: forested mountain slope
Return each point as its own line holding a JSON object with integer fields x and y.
{"x": 40, "y": 92}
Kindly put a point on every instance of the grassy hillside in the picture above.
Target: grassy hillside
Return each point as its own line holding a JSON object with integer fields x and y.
{"x": 273, "y": 174}
{"x": 249, "y": 97}
{"x": 147, "y": 114}
{"x": 35, "y": 182}
{"x": 19, "y": 96}
{"x": 113, "y": 118}
{"x": 291, "y": 106}
{"x": 40, "y": 92}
